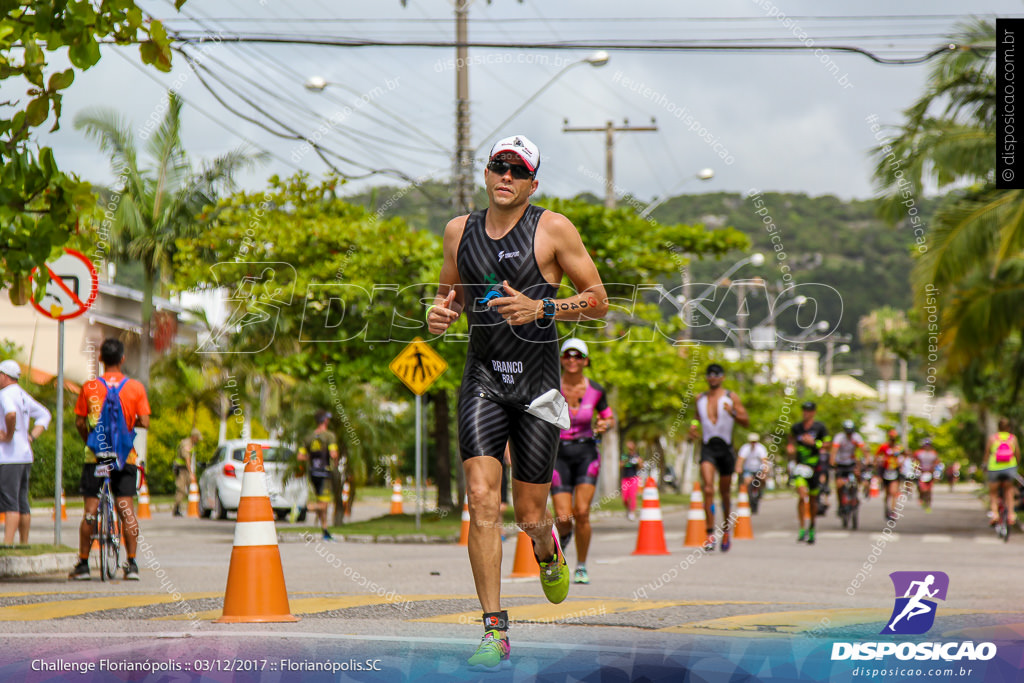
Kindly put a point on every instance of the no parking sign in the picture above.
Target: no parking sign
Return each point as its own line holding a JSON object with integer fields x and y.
{"x": 72, "y": 287}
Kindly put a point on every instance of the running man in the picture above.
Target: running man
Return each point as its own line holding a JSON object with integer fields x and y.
{"x": 1003, "y": 453}
{"x": 319, "y": 453}
{"x": 578, "y": 462}
{"x": 805, "y": 441}
{"x": 914, "y": 606}
{"x": 927, "y": 460}
{"x": 503, "y": 266}
{"x": 848, "y": 448}
{"x": 889, "y": 461}
{"x": 718, "y": 409}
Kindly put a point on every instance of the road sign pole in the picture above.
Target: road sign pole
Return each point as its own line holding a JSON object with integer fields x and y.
{"x": 419, "y": 446}
{"x": 58, "y": 458}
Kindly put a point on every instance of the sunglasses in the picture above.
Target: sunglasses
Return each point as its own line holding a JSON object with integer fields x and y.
{"x": 573, "y": 354}
{"x": 519, "y": 172}
{"x": 715, "y": 374}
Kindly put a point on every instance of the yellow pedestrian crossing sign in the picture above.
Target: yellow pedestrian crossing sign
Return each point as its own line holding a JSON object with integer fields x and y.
{"x": 418, "y": 366}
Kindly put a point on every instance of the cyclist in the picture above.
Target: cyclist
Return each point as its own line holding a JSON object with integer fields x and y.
{"x": 135, "y": 406}
{"x": 752, "y": 468}
{"x": 847, "y": 449}
{"x": 889, "y": 463}
{"x": 1003, "y": 453}
{"x": 578, "y": 462}
{"x": 805, "y": 441}
{"x": 927, "y": 462}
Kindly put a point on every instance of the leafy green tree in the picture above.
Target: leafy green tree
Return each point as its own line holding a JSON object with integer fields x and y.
{"x": 159, "y": 203}
{"x": 39, "y": 204}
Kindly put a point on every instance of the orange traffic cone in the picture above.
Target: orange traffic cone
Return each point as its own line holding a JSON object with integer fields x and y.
{"x": 650, "y": 539}
{"x": 143, "y": 512}
{"x": 743, "y": 528}
{"x": 464, "y": 532}
{"x": 874, "y": 489}
{"x": 696, "y": 520}
{"x": 255, "y": 590}
{"x": 525, "y": 562}
{"x": 396, "y": 498}
{"x": 63, "y": 509}
{"x": 193, "y": 499}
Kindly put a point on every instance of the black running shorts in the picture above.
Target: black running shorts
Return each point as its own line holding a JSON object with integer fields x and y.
{"x": 577, "y": 463}
{"x": 485, "y": 426}
{"x": 719, "y": 453}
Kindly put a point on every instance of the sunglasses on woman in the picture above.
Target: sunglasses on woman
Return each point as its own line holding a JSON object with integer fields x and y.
{"x": 573, "y": 354}
{"x": 500, "y": 167}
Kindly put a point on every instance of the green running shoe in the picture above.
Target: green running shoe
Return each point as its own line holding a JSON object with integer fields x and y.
{"x": 581, "y": 575}
{"x": 810, "y": 536}
{"x": 554, "y": 575}
{"x": 802, "y": 536}
{"x": 492, "y": 654}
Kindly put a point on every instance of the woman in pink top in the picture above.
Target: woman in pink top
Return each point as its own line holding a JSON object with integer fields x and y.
{"x": 578, "y": 461}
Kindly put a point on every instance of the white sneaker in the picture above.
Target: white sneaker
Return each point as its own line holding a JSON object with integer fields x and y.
{"x": 631, "y": 516}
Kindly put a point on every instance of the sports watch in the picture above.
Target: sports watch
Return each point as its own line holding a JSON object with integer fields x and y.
{"x": 549, "y": 308}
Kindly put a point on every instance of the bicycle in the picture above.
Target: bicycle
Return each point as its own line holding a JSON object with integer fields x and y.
{"x": 1003, "y": 520}
{"x": 106, "y": 529}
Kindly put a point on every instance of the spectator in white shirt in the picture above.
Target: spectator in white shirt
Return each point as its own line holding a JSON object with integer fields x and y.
{"x": 17, "y": 408}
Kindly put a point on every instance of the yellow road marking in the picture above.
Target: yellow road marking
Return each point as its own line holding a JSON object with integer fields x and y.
{"x": 576, "y": 609}
{"x": 318, "y": 605}
{"x": 772, "y": 624}
{"x": 68, "y": 608}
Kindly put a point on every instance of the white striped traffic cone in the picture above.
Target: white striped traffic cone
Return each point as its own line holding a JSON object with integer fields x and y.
{"x": 464, "y": 531}
{"x": 143, "y": 512}
{"x": 396, "y": 498}
{"x": 696, "y": 520}
{"x": 744, "y": 529}
{"x": 193, "y": 499}
{"x": 650, "y": 538}
{"x": 255, "y": 590}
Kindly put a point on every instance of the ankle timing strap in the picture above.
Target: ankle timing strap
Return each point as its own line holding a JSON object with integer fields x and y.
{"x": 496, "y": 621}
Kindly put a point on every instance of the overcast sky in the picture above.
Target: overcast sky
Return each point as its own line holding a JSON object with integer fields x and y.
{"x": 787, "y": 122}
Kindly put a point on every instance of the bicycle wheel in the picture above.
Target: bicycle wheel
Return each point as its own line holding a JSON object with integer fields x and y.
{"x": 110, "y": 539}
{"x": 103, "y": 534}
{"x": 1004, "y": 522}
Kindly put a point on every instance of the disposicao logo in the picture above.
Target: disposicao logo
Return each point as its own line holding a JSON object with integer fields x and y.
{"x": 914, "y": 612}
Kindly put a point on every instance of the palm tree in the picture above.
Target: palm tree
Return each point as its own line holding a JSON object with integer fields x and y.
{"x": 158, "y": 203}
{"x": 972, "y": 256}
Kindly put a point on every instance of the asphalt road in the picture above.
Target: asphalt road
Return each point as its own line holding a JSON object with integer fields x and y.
{"x": 413, "y": 608}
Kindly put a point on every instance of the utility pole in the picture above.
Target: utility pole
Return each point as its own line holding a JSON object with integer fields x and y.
{"x": 462, "y": 173}
{"x": 609, "y": 130}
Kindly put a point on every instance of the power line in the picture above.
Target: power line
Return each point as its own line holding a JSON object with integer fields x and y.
{"x": 648, "y": 46}
{"x": 234, "y": 131}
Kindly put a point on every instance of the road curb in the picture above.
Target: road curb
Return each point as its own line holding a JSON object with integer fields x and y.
{"x": 35, "y": 565}
{"x": 299, "y": 537}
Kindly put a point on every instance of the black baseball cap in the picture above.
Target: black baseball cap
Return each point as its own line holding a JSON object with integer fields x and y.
{"x": 809, "y": 405}
{"x": 715, "y": 368}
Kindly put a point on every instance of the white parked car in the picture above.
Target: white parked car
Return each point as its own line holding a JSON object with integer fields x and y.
{"x": 220, "y": 484}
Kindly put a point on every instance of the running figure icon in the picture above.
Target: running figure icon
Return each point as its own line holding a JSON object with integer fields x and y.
{"x": 915, "y": 606}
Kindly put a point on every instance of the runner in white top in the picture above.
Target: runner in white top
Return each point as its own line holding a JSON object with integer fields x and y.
{"x": 718, "y": 409}
{"x": 17, "y": 409}
{"x": 752, "y": 467}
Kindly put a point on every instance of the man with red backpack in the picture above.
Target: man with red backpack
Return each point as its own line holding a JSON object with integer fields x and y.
{"x": 107, "y": 412}
{"x": 1002, "y": 454}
